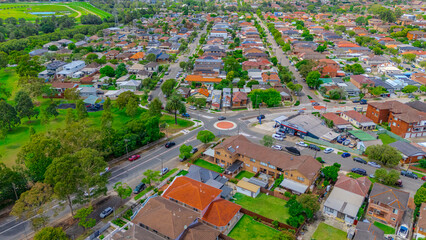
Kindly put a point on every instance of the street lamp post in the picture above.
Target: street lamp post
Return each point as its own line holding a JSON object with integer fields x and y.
{"x": 127, "y": 151}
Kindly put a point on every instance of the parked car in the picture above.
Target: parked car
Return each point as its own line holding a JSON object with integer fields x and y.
{"x": 355, "y": 101}
{"x": 192, "y": 107}
{"x": 328, "y": 150}
{"x": 293, "y": 150}
{"x": 166, "y": 73}
{"x": 424, "y": 178}
{"x": 346, "y": 155}
{"x": 106, "y": 212}
{"x": 170, "y": 144}
{"x": 409, "y": 174}
{"x": 314, "y": 147}
{"x": 315, "y": 104}
{"x": 302, "y": 144}
{"x": 221, "y": 118}
{"x": 398, "y": 183}
{"x": 186, "y": 115}
{"x": 194, "y": 150}
{"x": 277, "y": 147}
{"x": 360, "y": 160}
{"x": 139, "y": 188}
{"x": 182, "y": 159}
{"x": 261, "y": 116}
{"x": 278, "y": 137}
{"x": 134, "y": 157}
{"x": 363, "y": 102}
{"x": 359, "y": 171}
{"x": 403, "y": 231}
{"x": 150, "y": 98}
{"x": 346, "y": 142}
{"x": 374, "y": 164}
{"x": 164, "y": 171}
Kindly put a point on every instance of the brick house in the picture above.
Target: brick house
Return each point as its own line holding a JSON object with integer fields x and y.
{"x": 414, "y": 35}
{"x": 420, "y": 230}
{"x": 239, "y": 99}
{"x": 111, "y": 54}
{"x": 260, "y": 63}
{"x": 403, "y": 120}
{"x": 387, "y": 204}
{"x": 237, "y": 153}
{"x": 360, "y": 80}
{"x": 358, "y": 120}
{"x": 410, "y": 152}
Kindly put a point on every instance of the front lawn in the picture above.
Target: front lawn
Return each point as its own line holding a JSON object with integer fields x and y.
{"x": 247, "y": 229}
{"x": 387, "y": 229}
{"x": 386, "y": 139}
{"x": 208, "y": 165}
{"x": 326, "y": 232}
{"x": 168, "y": 174}
{"x": 265, "y": 205}
{"x": 356, "y": 175}
{"x": 243, "y": 174}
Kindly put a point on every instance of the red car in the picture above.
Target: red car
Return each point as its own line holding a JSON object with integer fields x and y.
{"x": 424, "y": 178}
{"x": 134, "y": 157}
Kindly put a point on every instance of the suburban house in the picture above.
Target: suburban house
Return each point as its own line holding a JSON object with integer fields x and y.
{"x": 358, "y": 120}
{"x": 239, "y": 99}
{"x": 410, "y": 153}
{"x": 248, "y": 189}
{"x": 420, "y": 231}
{"x": 210, "y": 178}
{"x": 132, "y": 85}
{"x": 237, "y": 153}
{"x": 71, "y": 68}
{"x": 414, "y": 35}
{"x": 201, "y": 79}
{"x": 347, "y": 197}
{"x": 387, "y": 204}
{"x": 367, "y": 231}
{"x": 403, "y": 120}
{"x": 360, "y": 80}
{"x": 151, "y": 67}
{"x": 339, "y": 123}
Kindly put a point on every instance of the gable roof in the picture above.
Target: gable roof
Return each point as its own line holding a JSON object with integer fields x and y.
{"x": 406, "y": 148}
{"x": 239, "y": 96}
{"x": 337, "y": 120}
{"x": 368, "y": 231}
{"x": 198, "y": 231}
{"x": 191, "y": 192}
{"x": 357, "y": 116}
{"x": 358, "y": 186}
{"x": 390, "y": 196}
{"x": 400, "y": 110}
{"x": 220, "y": 212}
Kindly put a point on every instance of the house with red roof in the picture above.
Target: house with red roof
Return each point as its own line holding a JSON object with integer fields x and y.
{"x": 239, "y": 99}
{"x": 271, "y": 77}
{"x": 339, "y": 123}
{"x": 358, "y": 120}
{"x": 260, "y": 63}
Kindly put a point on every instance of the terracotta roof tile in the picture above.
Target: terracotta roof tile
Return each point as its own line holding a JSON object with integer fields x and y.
{"x": 359, "y": 186}
{"x": 220, "y": 212}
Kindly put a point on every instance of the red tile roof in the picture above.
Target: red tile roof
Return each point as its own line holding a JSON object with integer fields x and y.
{"x": 357, "y": 116}
{"x": 191, "y": 192}
{"x": 220, "y": 212}
{"x": 359, "y": 186}
{"x": 337, "y": 120}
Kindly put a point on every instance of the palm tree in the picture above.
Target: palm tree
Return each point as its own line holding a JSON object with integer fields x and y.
{"x": 174, "y": 104}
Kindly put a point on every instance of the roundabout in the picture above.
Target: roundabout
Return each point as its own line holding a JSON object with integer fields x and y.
{"x": 225, "y": 125}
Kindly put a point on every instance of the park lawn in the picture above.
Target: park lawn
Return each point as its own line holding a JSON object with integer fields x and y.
{"x": 207, "y": 165}
{"x": 249, "y": 229}
{"x": 325, "y": 232}
{"x": 91, "y": 8}
{"x": 387, "y": 229}
{"x": 386, "y": 139}
{"x": 243, "y": 174}
{"x": 171, "y": 126}
{"x": 265, "y": 205}
{"x": 9, "y": 80}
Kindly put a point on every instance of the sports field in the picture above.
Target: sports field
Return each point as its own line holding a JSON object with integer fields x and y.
{"x": 31, "y": 11}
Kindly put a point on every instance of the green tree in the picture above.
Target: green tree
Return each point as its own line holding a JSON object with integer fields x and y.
{"x": 123, "y": 190}
{"x": 309, "y": 201}
{"x": 107, "y": 119}
{"x": 313, "y": 80}
{"x": 151, "y": 57}
{"x": 423, "y": 88}
{"x": 24, "y": 105}
{"x": 151, "y": 177}
{"x": 185, "y": 151}
{"x": 241, "y": 83}
{"x": 132, "y": 108}
{"x": 154, "y": 107}
{"x": 4, "y": 59}
{"x": 409, "y": 89}
{"x": 267, "y": 141}
{"x": 420, "y": 196}
{"x": 69, "y": 116}
{"x": 8, "y": 116}
{"x": 83, "y": 215}
{"x": 377, "y": 91}
{"x": 385, "y": 177}
{"x": 385, "y": 154}
{"x": 182, "y": 65}
{"x": 49, "y": 233}
{"x": 410, "y": 57}
{"x": 205, "y": 136}
{"x": 121, "y": 70}
{"x": 124, "y": 98}
{"x": 168, "y": 86}
{"x": 331, "y": 172}
{"x": 107, "y": 71}
{"x": 200, "y": 102}
{"x": 174, "y": 104}
{"x": 51, "y": 110}
{"x": 81, "y": 110}
{"x": 71, "y": 94}
{"x": 396, "y": 60}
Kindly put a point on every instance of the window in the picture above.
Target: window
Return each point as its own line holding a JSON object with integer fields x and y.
{"x": 286, "y": 173}
{"x": 300, "y": 179}
{"x": 218, "y": 153}
{"x": 394, "y": 124}
{"x": 272, "y": 167}
{"x": 421, "y": 229}
{"x": 395, "y": 211}
{"x": 263, "y": 164}
{"x": 248, "y": 165}
{"x": 252, "y": 160}
{"x": 222, "y": 161}
{"x": 393, "y": 219}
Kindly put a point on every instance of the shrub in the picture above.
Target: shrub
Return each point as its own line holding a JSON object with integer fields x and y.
{"x": 275, "y": 223}
{"x": 422, "y": 163}
{"x": 326, "y": 100}
{"x": 309, "y": 97}
{"x": 342, "y": 102}
{"x": 234, "y": 180}
{"x": 287, "y": 194}
{"x": 128, "y": 214}
{"x": 101, "y": 236}
{"x": 297, "y": 103}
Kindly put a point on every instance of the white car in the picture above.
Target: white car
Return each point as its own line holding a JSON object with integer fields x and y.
{"x": 278, "y": 137}
{"x": 374, "y": 164}
{"x": 277, "y": 147}
{"x": 403, "y": 231}
{"x": 302, "y": 144}
{"x": 328, "y": 150}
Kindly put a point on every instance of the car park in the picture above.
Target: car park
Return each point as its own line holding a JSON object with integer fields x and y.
{"x": 374, "y": 164}
{"x": 277, "y": 147}
{"x": 170, "y": 144}
{"x": 106, "y": 212}
{"x": 278, "y": 137}
{"x": 359, "y": 171}
{"x": 409, "y": 174}
{"x": 302, "y": 144}
{"x": 139, "y": 188}
{"x": 360, "y": 160}
{"x": 194, "y": 150}
{"x": 293, "y": 150}
{"x": 221, "y": 118}
{"x": 314, "y": 147}
{"x": 134, "y": 157}
{"x": 164, "y": 171}
{"x": 346, "y": 155}
{"x": 328, "y": 150}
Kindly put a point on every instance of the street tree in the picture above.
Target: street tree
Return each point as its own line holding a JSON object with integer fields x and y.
{"x": 267, "y": 141}
{"x": 174, "y": 104}
{"x": 154, "y": 107}
{"x": 385, "y": 154}
{"x": 83, "y": 215}
{"x": 24, "y": 105}
{"x": 12, "y": 183}
{"x": 49, "y": 233}
{"x": 151, "y": 177}
{"x": 182, "y": 65}
{"x": 205, "y": 136}
{"x": 81, "y": 110}
{"x": 8, "y": 116}
{"x": 200, "y": 102}
{"x": 132, "y": 108}
{"x": 409, "y": 89}
{"x": 168, "y": 86}
{"x": 185, "y": 151}
{"x": 124, "y": 98}
{"x": 385, "y": 177}
{"x": 123, "y": 190}
{"x": 331, "y": 172}
{"x": 313, "y": 80}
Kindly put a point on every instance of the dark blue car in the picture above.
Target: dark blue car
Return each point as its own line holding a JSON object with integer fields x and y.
{"x": 345, "y": 155}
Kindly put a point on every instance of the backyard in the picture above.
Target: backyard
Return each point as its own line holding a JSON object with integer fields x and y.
{"x": 247, "y": 228}
{"x": 387, "y": 229}
{"x": 386, "y": 139}
{"x": 244, "y": 174}
{"x": 207, "y": 165}
{"x": 326, "y": 232}
{"x": 265, "y": 205}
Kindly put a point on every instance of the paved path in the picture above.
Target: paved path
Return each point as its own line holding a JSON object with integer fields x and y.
{"x": 72, "y": 9}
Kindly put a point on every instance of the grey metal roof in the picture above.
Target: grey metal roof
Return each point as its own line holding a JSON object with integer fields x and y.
{"x": 294, "y": 186}
{"x": 344, "y": 201}
{"x": 201, "y": 174}
{"x": 258, "y": 182}
{"x": 420, "y": 106}
{"x": 406, "y": 148}
{"x": 390, "y": 196}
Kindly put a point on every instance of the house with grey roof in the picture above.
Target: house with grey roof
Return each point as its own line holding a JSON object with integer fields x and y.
{"x": 367, "y": 231}
{"x": 210, "y": 178}
{"x": 132, "y": 85}
{"x": 410, "y": 153}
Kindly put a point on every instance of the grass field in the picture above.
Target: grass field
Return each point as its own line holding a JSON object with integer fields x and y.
{"x": 386, "y": 139}
{"x": 387, "y": 229}
{"x": 265, "y": 205}
{"x": 243, "y": 174}
{"x": 210, "y": 166}
{"x": 249, "y": 229}
{"x": 325, "y": 232}
{"x": 27, "y": 10}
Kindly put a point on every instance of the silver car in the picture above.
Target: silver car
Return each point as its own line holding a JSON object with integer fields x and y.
{"x": 277, "y": 147}
{"x": 374, "y": 164}
{"x": 106, "y": 212}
